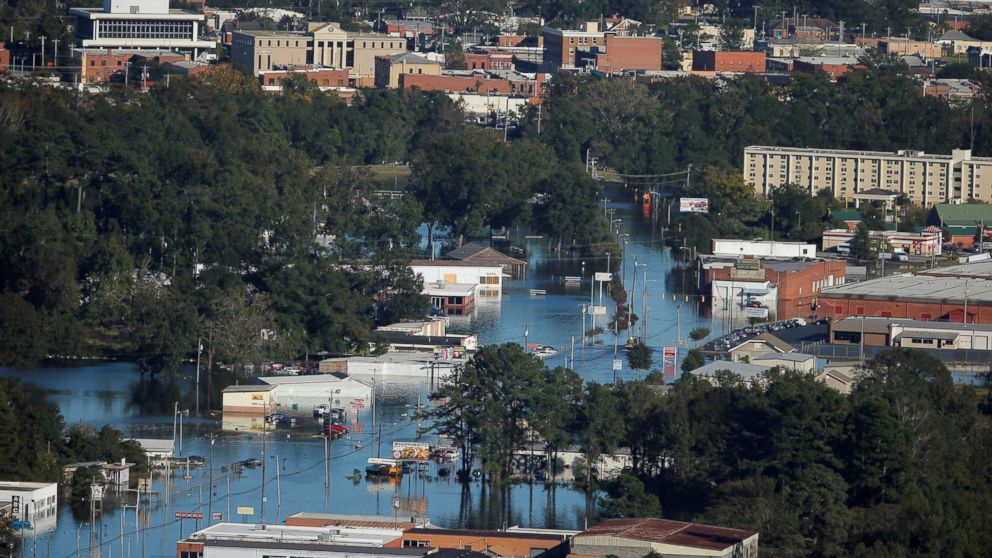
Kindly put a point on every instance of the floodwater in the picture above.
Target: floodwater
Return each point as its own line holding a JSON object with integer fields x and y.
{"x": 295, "y": 467}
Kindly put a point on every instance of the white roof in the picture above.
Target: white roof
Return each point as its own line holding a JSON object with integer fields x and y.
{"x": 155, "y": 445}
{"x": 334, "y": 535}
{"x": 307, "y": 379}
{"x": 450, "y": 289}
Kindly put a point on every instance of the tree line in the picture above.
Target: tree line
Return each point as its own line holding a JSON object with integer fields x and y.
{"x": 131, "y": 225}
{"x": 900, "y": 467}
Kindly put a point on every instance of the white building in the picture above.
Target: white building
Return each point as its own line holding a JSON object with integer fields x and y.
{"x": 301, "y": 393}
{"x": 237, "y": 540}
{"x": 914, "y": 244}
{"x": 489, "y": 279}
{"x": 36, "y": 502}
{"x": 140, "y": 24}
{"x": 155, "y": 448}
{"x": 413, "y": 365}
{"x": 740, "y": 300}
{"x": 763, "y": 248}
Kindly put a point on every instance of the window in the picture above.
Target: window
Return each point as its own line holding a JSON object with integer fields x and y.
{"x": 860, "y": 311}
{"x": 926, "y": 317}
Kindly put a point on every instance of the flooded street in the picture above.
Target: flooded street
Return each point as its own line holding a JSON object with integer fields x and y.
{"x": 295, "y": 473}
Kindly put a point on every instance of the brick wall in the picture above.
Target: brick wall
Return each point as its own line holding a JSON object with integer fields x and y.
{"x": 833, "y": 70}
{"x": 426, "y": 82}
{"x": 322, "y": 78}
{"x": 4, "y": 58}
{"x": 797, "y": 290}
{"x": 631, "y": 53}
{"x": 844, "y": 308}
{"x": 727, "y": 61}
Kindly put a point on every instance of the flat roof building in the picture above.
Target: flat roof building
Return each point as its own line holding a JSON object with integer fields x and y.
{"x": 919, "y": 297}
{"x": 562, "y": 45}
{"x": 851, "y": 176}
{"x": 258, "y": 51}
{"x": 635, "y": 538}
{"x": 224, "y": 540}
{"x": 140, "y": 24}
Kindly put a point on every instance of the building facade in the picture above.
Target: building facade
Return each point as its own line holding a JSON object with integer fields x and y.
{"x": 768, "y": 288}
{"x": 323, "y": 78}
{"x": 916, "y": 297}
{"x": 36, "y": 502}
{"x": 388, "y": 69}
{"x": 335, "y": 48}
{"x": 561, "y": 45}
{"x": 489, "y": 279}
{"x": 97, "y": 65}
{"x": 638, "y": 537}
{"x": 258, "y": 51}
{"x": 148, "y": 24}
{"x": 629, "y": 53}
{"x": 723, "y": 61}
{"x": 925, "y": 178}
{"x": 914, "y": 244}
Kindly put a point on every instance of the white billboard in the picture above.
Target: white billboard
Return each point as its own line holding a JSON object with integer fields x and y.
{"x": 694, "y": 205}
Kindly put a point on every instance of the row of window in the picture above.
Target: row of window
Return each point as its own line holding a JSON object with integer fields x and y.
{"x": 146, "y": 29}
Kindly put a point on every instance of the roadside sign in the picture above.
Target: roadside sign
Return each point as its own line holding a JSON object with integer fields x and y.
{"x": 597, "y": 310}
{"x": 246, "y": 510}
{"x": 217, "y": 516}
{"x": 617, "y": 365}
{"x": 604, "y": 276}
{"x": 15, "y": 505}
{"x": 189, "y": 515}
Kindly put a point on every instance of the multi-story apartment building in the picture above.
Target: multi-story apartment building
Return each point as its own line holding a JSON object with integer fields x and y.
{"x": 258, "y": 51}
{"x": 925, "y": 178}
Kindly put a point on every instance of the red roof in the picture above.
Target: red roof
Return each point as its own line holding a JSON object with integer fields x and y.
{"x": 669, "y": 532}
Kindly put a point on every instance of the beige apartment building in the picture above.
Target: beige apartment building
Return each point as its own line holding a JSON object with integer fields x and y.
{"x": 336, "y": 48}
{"x": 259, "y": 51}
{"x": 925, "y": 178}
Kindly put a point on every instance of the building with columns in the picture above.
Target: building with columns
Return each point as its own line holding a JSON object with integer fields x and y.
{"x": 856, "y": 176}
{"x": 140, "y": 24}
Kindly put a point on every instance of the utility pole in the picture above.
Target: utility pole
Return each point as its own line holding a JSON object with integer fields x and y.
{"x": 678, "y": 336}
{"x": 210, "y": 496}
{"x": 56, "y": 56}
{"x": 42, "y": 37}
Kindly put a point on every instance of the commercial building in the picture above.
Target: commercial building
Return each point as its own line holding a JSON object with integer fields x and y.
{"x": 635, "y": 538}
{"x": 451, "y": 298}
{"x": 917, "y": 297}
{"x": 488, "y": 279}
{"x": 954, "y": 91}
{"x": 489, "y": 60}
{"x": 323, "y": 78}
{"x": 833, "y": 66}
{"x": 417, "y": 366}
{"x": 957, "y": 42}
{"x": 295, "y": 394}
{"x": 457, "y": 84}
{"x": 743, "y": 288}
{"x": 762, "y": 248}
{"x": 761, "y": 345}
{"x": 561, "y": 46}
{"x": 727, "y": 62}
{"x": 623, "y": 54}
{"x": 926, "y": 179}
{"x": 795, "y": 362}
{"x": 335, "y": 48}
{"x": 117, "y": 475}
{"x": 388, "y": 69}
{"x": 905, "y": 47}
{"x": 258, "y": 51}
{"x": 748, "y": 372}
{"x": 97, "y": 65}
{"x": 223, "y": 540}
{"x": 157, "y": 448}
{"x": 804, "y": 27}
{"x": 962, "y": 220}
{"x": 925, "y": 243}
{"x": 36, "y": 502}
{"x": 980, "y": 57}
{"x": 506, "y": 543}
{"x": 321, "y": 519}
{"x": 245, "y": 407}
{"x": 915, "y": 334}
{"x": 140, "y": 24}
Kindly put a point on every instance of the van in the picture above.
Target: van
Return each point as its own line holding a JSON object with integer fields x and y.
{"x": 844, "y": 249}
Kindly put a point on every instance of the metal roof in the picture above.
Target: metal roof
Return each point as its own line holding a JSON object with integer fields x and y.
{"x": 745, "y": 370}
{"x": 968, "y": 214}
{"x": 248, "y": 388}
{"x": 792, "y": 357}
{"x": 915, "y": 288}
{"x": 668, "y": 532}
{"x": 971, "y": 269}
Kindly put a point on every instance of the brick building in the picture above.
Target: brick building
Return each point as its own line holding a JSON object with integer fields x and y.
{"x": 489, "y": 60}
{"x": 505, "y": 41}
{"x": 97, "y": 65}
{"x": 917, "y": 297}
{"x": 833, "y": 66}
{"x": 788, "y": 288}
{"x": 499, "y": 544}
{"x": 629, "y": 53}
{"x": 562, "y": 45}
{"x": 324, "y": 78}
{"x": 906, "y": 47}
{"x": 473, "y": 84}
{"x": 727, "y": 61}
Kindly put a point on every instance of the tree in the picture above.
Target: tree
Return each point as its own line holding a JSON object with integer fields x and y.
{"x": 699, "y": 333}
{"x": 693, "y": 360}
{"x": 82, "y": 482}
{"x": 454, "y": 56}
{"x": 639, "y": 356}
{"x": 861, "y": 244}
{"x": 628, "y": 498}
{"x": 671, "y": 57}
{"x": 732, "y": 35}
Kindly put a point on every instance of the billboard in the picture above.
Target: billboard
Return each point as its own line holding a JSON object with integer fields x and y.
{"x": 694, "y": 205}
{"x": 411, "y": 451}
{"x": 668, "y": 357}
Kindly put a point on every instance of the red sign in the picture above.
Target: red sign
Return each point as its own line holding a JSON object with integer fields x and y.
{"x": 189, "y": 515}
